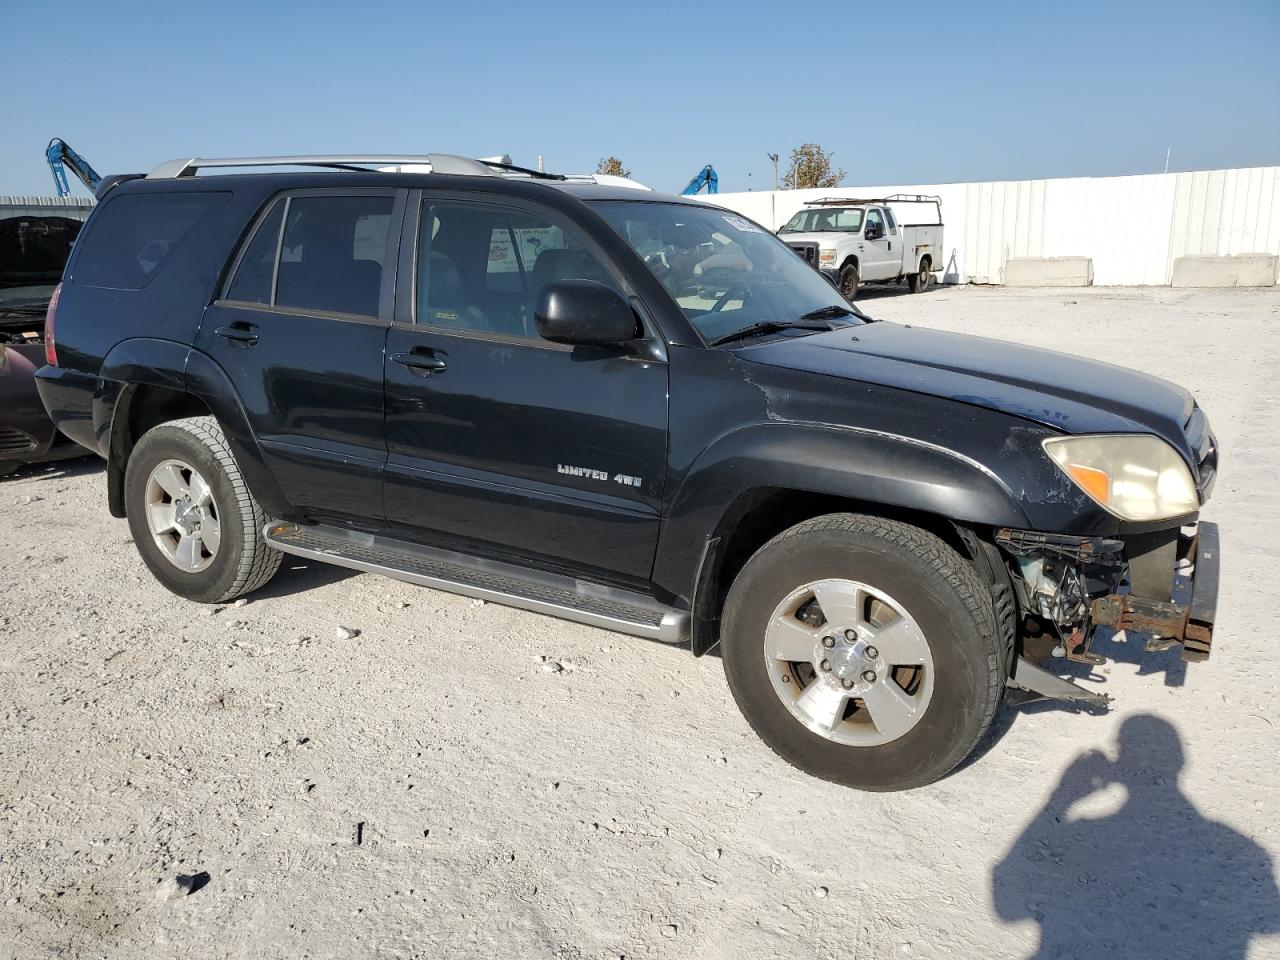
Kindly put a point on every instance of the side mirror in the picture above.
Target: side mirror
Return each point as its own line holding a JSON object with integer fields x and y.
{"x": 583, "y": 312}
{"x": 872, "y": 232}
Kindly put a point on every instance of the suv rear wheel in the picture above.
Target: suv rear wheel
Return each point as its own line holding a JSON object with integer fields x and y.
{"x": 920, "y": 280}
{"x": 863, "y": 651}
{"x": 191, "y": 514}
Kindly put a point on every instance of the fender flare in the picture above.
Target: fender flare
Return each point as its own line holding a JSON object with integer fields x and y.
{"x": 177, "y": 367}
{"x": 207, "y": 380}
{"x": 129, "y": 364}
{"x": 857, "y": 464}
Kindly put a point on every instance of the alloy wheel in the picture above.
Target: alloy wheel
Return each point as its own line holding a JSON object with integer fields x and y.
{"x": 182, "y": 516}
{"x": 849, "y": 662}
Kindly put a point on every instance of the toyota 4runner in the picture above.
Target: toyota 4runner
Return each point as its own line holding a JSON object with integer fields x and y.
{"x": 629, "y": 410}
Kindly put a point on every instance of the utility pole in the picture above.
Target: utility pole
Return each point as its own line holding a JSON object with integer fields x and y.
{"x": 774, "y": 158}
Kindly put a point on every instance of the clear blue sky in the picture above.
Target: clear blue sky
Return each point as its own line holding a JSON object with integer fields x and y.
{"x": 901, "y": 92}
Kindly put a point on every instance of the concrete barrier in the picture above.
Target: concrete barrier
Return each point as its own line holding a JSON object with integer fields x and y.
{"x": 1242, "y": 270}
{"x": 1049, "y": 272}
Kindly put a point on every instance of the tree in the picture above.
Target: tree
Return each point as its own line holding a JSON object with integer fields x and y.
{"x": 613, "y": 167}
{"x": 811, "y": 167}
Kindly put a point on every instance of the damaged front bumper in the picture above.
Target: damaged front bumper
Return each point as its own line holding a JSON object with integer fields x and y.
{"x": 1167, "y": 592}
{"x": 1188, "y": 617}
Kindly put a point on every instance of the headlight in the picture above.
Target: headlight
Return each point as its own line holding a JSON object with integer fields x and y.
{"x": 1135, "y": 477}
{"x": 826, "y": 256}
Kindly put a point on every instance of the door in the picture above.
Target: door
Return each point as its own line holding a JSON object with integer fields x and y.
{"x": 880, "y": 251}
{"x": 300, "y": 331}
{"x": 500, "y": 442}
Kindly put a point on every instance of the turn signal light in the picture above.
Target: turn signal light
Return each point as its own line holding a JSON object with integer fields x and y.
{"x": 1093, "y": 482}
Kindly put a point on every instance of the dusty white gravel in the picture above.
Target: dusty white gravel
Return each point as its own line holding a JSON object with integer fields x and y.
{"x": 434, "y": 787}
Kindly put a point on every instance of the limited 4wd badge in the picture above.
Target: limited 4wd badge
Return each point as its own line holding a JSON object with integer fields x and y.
{"x": 590, "y": 474}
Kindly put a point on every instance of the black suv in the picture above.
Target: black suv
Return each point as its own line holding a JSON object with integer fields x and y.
{"x": 632, "y": 410}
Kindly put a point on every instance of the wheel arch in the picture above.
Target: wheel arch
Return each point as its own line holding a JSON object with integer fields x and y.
{"x": 147, "y": 383}
{"x": 777, "y": 478}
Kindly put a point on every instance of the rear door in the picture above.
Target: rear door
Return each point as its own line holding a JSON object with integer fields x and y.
{"x": 498, "y": 441}
{"x": 300, "y": 330}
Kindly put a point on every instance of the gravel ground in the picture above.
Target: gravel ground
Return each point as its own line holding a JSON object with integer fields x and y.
{"x": 434, "y": 787}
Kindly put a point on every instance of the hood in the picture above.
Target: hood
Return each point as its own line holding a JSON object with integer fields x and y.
{"x": 824, "y": 238}
{"x": 33, "y": 250}
{"x": 1064, "y": 392}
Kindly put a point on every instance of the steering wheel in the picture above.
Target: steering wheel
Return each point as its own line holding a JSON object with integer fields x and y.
{"x": 728, "y": 296}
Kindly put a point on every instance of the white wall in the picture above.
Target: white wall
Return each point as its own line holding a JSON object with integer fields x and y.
{"x": 1132, "y": 227}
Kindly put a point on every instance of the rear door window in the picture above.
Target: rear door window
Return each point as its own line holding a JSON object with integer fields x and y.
{"x": 133, "y": 235}
{"x": 257, "y": 269}
{"x": 333, "y": 254}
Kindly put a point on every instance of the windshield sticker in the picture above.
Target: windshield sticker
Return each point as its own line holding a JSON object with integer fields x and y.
{"x": 742, "y": 226}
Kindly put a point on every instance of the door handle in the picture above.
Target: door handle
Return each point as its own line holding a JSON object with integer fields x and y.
{"x": 239, "y": 333}
{"x": 421, "y": 361}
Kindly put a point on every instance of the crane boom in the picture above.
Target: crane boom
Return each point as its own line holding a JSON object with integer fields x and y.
{"x": 61, "y": 158}
{"x": 706, "y": 178}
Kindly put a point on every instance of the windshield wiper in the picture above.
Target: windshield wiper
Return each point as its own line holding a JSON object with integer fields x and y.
{"x": 768, "y": 326}
{"x": 827, "y": 313}
{"x": 836, "y": 310}
{"x": 33, "y": 310}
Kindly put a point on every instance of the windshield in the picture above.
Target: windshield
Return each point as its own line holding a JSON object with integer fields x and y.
{"x": 724, "y": 271}
{"x": 825, "y": 220}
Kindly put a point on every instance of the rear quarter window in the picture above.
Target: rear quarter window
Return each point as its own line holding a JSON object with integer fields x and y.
{"x": 133, "y": 235}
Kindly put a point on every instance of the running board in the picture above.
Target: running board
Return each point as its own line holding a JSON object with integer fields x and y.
{"x": 599, "y": 606}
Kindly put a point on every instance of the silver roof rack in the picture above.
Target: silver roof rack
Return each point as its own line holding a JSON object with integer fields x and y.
{"x": 893, "y": 198}
{"x": 439, "y": 162}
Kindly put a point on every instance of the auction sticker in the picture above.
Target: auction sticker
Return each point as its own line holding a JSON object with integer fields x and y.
{"x": 743, "y": 226}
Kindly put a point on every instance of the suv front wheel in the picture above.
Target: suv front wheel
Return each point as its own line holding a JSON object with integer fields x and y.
{"x": 863, "y": 651}
{"x": 849, "y": 280}
{"x": 191, "y": 514}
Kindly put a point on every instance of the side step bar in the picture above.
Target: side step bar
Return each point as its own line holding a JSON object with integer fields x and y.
{"x": 599, "y": 606}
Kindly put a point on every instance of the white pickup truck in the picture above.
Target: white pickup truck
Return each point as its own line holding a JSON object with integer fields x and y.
{"x": 856, "y": 241}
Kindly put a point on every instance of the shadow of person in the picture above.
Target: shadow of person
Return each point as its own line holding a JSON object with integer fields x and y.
{"x": 1121, "y": 864}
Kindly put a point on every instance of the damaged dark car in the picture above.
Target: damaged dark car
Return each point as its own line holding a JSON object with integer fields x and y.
{"x": 33, "y": 251}
{"x": 639, "y": 412}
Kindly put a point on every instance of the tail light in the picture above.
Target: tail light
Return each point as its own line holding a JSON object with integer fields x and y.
{"x": 50, "y": 351}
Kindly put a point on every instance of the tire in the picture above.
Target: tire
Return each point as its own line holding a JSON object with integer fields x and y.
{"x": 849, "y": 280}
{"x": 920, "y": 281}
{"x": 935, "y": 588}
{"x": 240, "y": 562}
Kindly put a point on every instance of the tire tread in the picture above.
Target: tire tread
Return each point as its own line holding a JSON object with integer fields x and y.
{"x": 258, "y": 562}
{"x": 956, "y": 571}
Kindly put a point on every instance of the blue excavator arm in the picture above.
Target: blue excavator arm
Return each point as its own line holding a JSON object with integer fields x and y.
{"x": 61, "y": 158}
{"x": 706, "y": 178}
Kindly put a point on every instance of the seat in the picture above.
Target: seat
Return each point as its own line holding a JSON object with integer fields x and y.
{"x": 555, "y": 264}
{"x": 443, "y": 301}
{"x": 328, "y": 277}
